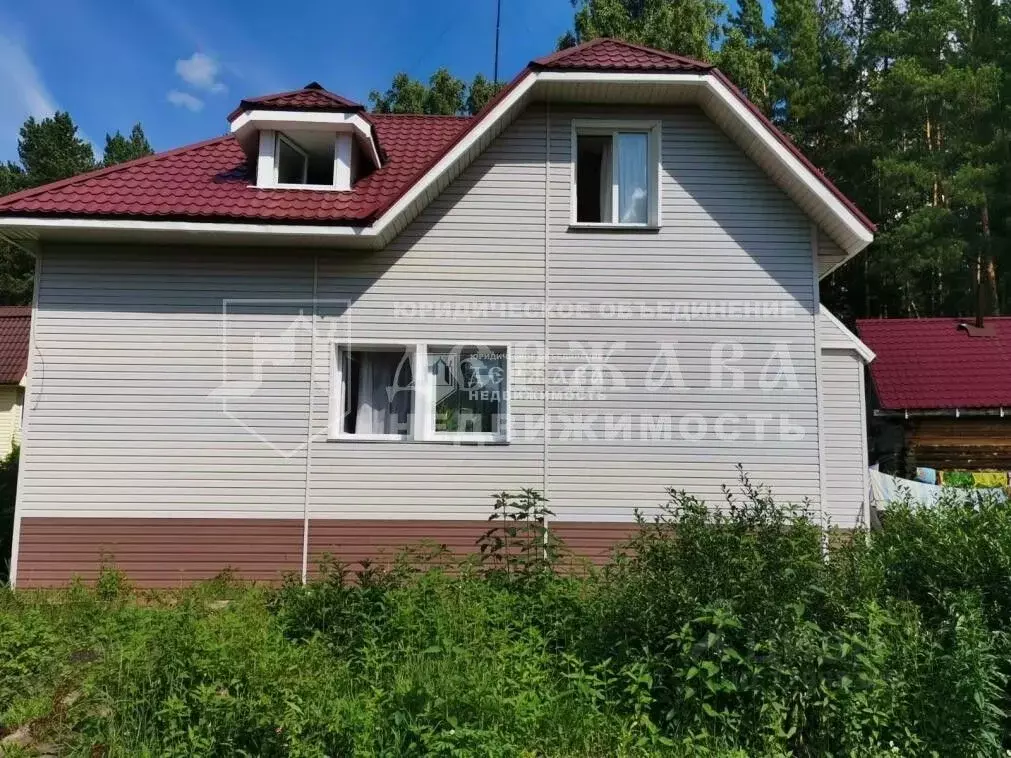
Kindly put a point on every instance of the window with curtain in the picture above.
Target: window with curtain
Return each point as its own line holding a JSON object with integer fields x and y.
{"x": 461, "y": 393}
{"x": 633, "y": 177}
{"x": 613, "y": 176}
{"x": 378, "y": 389}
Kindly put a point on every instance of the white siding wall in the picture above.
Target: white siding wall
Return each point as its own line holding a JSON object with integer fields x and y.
{"x": 845, "y": 418}
{"x": 845, "y": 436}
{"x": 728, "y": 236}
{"x": 480, "y": 243}
{"x": 124, "y": 418}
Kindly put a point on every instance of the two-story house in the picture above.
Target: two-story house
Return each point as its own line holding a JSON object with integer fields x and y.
{"x": 334, "y": 331}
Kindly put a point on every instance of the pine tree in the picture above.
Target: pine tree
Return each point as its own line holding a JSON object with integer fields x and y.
{"x": 119, "y": 149}
{"x": 405, "y": 95}
{"x": 481, "y": 90}
{"x": 685, "y": 27}
{"x": 443, "y": 95}
{"x": 51, "y": 149}
{"x": 745, "y": 55}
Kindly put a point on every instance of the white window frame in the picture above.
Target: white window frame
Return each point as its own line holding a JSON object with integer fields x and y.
{"x": 337, "y": 388}
{"x": 612, "y": 128}
{"x": 342, "y": 152}
{"x": 423, "y": 411}
{"x": 429, "y": 401}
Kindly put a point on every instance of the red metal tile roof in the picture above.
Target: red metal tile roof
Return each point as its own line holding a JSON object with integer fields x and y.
{"x": 605, "y": 54}
{"x": 930, "y": 363}
{"x": 312, "y": 97}
{"x": 15, "y": 331}
{"x": 211, "y": 181}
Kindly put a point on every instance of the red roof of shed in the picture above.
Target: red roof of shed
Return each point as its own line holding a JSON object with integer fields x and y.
{"x": 15, "y": 332}
{"x": 930, "y": 363}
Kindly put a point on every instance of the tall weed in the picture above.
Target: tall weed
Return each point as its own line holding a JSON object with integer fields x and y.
{"x": 722, "y": 630}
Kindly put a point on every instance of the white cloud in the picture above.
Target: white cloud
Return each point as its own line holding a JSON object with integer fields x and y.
{"x": 22, "y": 90}
{"x": 223, "y": 31}
{"x": 185, "y": 100}
{"x": 24, "y": 94}
{"x": 201, "y": 71}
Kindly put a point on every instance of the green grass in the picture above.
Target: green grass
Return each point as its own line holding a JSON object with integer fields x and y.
{"x": 726, "y": 633}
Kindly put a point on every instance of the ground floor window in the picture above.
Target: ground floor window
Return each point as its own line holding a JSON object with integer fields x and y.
{"x": 378, "y": 390}
{"x": 454, "y": 393}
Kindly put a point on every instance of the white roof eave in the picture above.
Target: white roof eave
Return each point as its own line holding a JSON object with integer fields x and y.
{"x": 847, "y": 229}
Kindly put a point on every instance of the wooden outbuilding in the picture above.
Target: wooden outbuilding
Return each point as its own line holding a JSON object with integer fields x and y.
{"x": 940, "y": 393}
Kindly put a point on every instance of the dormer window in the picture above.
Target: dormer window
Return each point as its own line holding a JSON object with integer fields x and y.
{"x": 306, "y": 139}
{"x": 305, "y": 159}
{"x": 308, "y": 158}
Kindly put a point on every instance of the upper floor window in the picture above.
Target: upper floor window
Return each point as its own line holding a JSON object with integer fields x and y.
{"x": 307, "y": 159}
{"x": 616, "y": 173}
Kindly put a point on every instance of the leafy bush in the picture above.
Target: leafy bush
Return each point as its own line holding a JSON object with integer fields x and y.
{"x": 924, "y": 554}
{"x": 720, "y": 631}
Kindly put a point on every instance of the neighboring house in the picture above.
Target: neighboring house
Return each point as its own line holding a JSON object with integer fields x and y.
{"x": 942, "y": 393}
{"x": 340, "y": 332}
{"x": 15, "y": 328}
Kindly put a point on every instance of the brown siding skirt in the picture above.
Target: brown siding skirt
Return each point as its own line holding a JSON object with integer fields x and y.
{"x": 166, "y": 552}
{"x": 351, "y": 541}
{"x": 156, "y": 552}
{"x": 594, "y": 541}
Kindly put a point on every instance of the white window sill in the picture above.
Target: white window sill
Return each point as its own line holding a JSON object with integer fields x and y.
{"x": 587, "y": 226}
{"x": 369, "y": 438}
{"x": 318, "y": 187}
{"x": 466, "y": 439}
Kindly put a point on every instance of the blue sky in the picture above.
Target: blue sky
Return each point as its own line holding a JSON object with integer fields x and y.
{"x": 179, "y": 66}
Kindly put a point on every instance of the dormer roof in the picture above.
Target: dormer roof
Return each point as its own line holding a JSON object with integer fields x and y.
{"x": 312, "y": 97}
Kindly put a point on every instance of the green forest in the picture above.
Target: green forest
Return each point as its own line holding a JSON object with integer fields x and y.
{"x": 51, "y": 149}
{"x": 904, "y": 105}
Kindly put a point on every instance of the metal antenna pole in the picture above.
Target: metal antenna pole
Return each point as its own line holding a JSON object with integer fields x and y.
{"x": 498, "y": 27}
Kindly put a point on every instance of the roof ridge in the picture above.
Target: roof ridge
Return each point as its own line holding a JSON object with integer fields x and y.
{"x": 276, "y": 94}
{"x": 105, "y": 170}
{"x": 312, "y": 88}
{"x": 319, "y": 89}
{"x": 563, "y": 54}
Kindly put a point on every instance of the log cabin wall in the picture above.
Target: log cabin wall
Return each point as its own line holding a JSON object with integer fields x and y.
{"x": 968, "y": 444}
